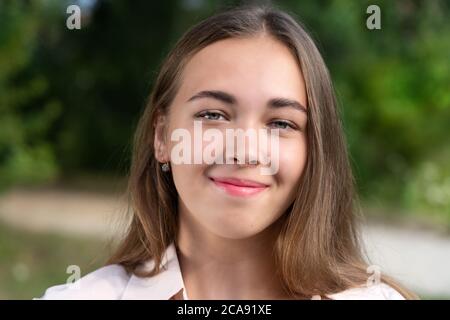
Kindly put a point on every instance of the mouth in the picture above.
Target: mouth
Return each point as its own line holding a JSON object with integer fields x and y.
{"x": 239, "y": 187}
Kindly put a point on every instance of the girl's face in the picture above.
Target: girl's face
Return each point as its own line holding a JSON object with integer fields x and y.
{"x": 246, "y": 74}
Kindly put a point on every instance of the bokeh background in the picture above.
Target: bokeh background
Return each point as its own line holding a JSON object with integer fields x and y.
{"x": 70, "y": 100}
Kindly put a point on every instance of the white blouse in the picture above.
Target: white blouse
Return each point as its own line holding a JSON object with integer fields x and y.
{"x": 112, "y": 282}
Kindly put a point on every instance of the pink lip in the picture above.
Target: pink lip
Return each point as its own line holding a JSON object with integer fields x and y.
{"x": 239, "y": 187}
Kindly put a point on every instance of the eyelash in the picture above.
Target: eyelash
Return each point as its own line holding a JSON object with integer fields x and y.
{"x": 203, "y": 113}
{"x": 291, "y": 126}
{"x": 209, "y": 113}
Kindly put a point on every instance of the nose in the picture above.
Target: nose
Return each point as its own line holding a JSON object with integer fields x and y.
{"x": 252, "y": 152}
{"x": 244, "y": 162}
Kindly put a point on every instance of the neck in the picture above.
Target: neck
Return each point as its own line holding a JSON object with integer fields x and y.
{"x": 214, "y": 267}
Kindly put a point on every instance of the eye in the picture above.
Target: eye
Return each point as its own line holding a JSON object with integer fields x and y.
{"x": 210, "y": 115}
{"x": 282, "y": 124}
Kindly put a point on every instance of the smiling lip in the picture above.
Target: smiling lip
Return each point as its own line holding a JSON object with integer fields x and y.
{"x": 239, "y": 187}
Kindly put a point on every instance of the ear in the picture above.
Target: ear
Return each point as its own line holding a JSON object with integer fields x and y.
{"x": 160, "y": 141}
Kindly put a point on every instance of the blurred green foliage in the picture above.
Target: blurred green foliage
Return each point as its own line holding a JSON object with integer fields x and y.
{"x": 70, "y": 99}
{"x": 393, "y": 85}
{"x": 25, "y": 110}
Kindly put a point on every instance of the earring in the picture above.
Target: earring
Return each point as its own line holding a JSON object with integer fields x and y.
{"x": 165, "y": 167}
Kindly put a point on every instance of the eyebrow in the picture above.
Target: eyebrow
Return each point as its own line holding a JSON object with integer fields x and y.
{"x": 227, "y": 98}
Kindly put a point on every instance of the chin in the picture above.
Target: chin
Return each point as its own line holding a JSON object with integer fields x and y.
{"x": 236, "y": 230}
{"x": 235, "y": 234}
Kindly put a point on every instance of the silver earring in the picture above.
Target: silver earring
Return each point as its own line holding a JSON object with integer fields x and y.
{"x": 165, "y": 167}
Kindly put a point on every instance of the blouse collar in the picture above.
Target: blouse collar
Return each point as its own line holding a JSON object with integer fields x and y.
{"x": 164, "y": 285}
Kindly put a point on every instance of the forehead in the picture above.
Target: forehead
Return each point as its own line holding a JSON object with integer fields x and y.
{"x": 253, "y": 69}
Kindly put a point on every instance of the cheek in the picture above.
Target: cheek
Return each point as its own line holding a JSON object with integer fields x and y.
{"x": 190, "y": 184}
{"x": 291, "y": 167}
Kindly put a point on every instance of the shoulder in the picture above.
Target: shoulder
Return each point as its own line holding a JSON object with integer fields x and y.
{"x": 106, "y": 283}
{"x": 381, "y": 291}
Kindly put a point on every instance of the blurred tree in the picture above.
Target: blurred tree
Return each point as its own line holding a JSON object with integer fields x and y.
{"x": 393, "y": 85}
{"x": 25, "y": 114}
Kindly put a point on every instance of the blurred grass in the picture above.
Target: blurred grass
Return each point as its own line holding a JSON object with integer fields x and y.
{"x": 31, "y": 262}
{"x": 434, "y": 298}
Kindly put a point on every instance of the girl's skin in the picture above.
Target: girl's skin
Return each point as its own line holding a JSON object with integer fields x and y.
{"x": 225, "y": 241}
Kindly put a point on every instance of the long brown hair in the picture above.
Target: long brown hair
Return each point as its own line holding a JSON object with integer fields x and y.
{"x": 317, "y": 251}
